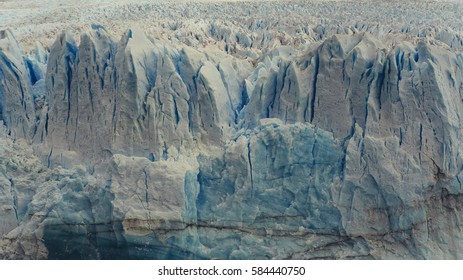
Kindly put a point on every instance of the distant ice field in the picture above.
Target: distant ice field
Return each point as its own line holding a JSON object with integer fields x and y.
{"x": 297, "y": 23}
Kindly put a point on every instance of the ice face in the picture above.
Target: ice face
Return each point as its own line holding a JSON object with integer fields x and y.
{"x": 235, "y": 139}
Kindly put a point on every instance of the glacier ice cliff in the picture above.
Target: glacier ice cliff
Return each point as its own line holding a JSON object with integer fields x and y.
{"x": 149, "y": 149}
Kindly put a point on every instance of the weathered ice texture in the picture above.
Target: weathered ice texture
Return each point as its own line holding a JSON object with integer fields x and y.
{"x": 16, "y": 103}
{"x": 135, "y": 97}
{"x": 238, "y": 141}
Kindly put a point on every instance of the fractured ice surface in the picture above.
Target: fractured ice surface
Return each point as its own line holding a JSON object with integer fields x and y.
{"x": 335, "y": 138}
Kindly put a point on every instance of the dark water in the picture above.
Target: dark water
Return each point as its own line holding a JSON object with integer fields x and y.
{"x": 85, "y": 242}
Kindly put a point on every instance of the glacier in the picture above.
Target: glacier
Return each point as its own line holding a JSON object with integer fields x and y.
{"x": 223, "y": 140}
